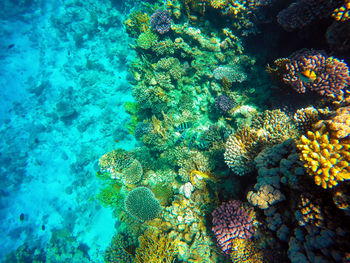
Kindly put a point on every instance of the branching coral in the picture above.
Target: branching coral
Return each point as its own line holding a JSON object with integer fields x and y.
{"x": 339, "y": 125}
{"x": 305, "y": 118}
{"x": 231, "y": 221}
{"x": 241, "y": 149}
{"x": 342, "y": 13}
{"x": 310, "y": 213}
{"x": 137, "y": 23}
{"x": 274, "y": 126}
{"x": 155, "y": 248}
{"x": 310, "y": 70}
{"x": 325, "y": 158}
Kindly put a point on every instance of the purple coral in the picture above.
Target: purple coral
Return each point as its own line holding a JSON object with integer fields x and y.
{"x": 223, "y": 103}
{"x": 231, "y": 221}
{"x": 160, "y": 21}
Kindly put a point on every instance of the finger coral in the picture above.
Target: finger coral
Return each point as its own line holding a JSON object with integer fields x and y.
{"x": 326, "y": 159}
{"x": 342, "y": 13}
{"x": 231, "y": 221}
{"x": 310, "y": 70}
{"x": 155, "y": 248}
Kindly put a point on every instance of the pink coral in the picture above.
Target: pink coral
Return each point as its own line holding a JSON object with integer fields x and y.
{"x": 310, "y": 70}
{"x": 231, "y": 221}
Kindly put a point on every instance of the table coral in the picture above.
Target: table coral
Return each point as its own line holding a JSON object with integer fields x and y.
{"x": 231, "y": 221}
{"x": 310, "y": 70}
{"x": 325, "y": 158}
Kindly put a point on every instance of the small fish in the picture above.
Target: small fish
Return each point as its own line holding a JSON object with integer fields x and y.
{"x": 307, "y": 75}
{"x": 10, "y": 46}
{"x": 192, "y": 140}
{"x": 43, "y": 227}
{"x": 184, "y": 126}
{"x": 21, "y": 217}
{"x": 203, "y": 145}
{"x": 116, "y": 140}
{"x": 181, "y": 138}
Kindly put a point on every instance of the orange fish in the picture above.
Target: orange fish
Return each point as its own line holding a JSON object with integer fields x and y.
{"x": 308, "y": 75}
{"x": 116, "y": 140}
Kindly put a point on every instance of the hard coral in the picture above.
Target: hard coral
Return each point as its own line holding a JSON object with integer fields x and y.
{"x": 142, "y": 204}
{"x": 231, "y": 221}
{"x": 245, "y": 251}
{"x": 326, "y": 159}
{"x": 155, "y": 248}
{"x": 339, "y": 125}
{"x": 223, "y": 103}
{"x": 266, "y": 196}
{"x": 160, "y": 21}
{"x": 342, "y": 13}
{"x": 118, "y": 250}
{"x": 303, "y": 12}
{"x": 311, "y": 70}
{"x": 241, "y": 149}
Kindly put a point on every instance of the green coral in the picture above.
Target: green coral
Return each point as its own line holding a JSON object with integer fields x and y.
{"x": 142, "y": 204}
{"x": 110, "y": 196}
{"x": 133, "y": 109}
{"x": 163, "y": 193}
{"x": 145, "y": 40}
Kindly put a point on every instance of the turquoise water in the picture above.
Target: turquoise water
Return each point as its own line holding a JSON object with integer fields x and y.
{"x": 63, "y": 85}
{"x": 188, "y": 131}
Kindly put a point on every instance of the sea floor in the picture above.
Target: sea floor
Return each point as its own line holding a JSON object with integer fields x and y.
{"x": 64, "y": 82}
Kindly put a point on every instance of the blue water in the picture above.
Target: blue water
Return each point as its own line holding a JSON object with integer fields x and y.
{"x": 63, "y": 80}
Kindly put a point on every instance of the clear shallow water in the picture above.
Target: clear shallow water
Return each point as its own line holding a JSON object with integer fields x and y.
{"x": 63, "y": 84}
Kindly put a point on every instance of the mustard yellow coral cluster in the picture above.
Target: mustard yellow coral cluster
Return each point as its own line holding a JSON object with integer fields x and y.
{"x": 324, "y": 158}
{"x": 155, "y": 248}
{"x": 245, "y": 251}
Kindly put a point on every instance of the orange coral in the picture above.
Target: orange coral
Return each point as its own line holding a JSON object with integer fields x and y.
{"x": 342, "y": 13}
{"x": 340, "y": 124}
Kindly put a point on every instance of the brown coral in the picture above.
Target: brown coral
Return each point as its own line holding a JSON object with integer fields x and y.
{"x": 311, "y": 212}
{"x": 339, "y": 125}
{"x": 265, "y": 196}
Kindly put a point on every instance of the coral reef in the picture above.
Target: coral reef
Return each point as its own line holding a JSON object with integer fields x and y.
{"x": 302, "y": 13}
{"x": 160, "y": 21}
{"x": 245, "y": 251}
{"x": 119, "y": 249}
{"x": 142, "y": 204}
{"x": 241, "y": 149}
{"x": 155, "y": 248}
{"x": 342, "y": 13}
{"x": 310, "y": 70}
{"x": 231, "y": 221}
{"x": 325, "y": 158}
{"x": 223, "y": 103}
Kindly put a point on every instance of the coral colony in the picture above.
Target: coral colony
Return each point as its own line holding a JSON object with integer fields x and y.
{"x": 243, "y": 134}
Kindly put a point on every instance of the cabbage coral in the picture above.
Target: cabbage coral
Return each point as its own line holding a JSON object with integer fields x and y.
{"x": 326, "y": 159}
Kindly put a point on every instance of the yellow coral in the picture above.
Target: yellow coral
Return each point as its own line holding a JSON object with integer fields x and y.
{"x": 155, "y": 248}
{"x": 137, "y": 23}
{"x": 311, "y": 212}
{"x": 245, "y": 251}
{"x": 342, "y": 13}
{"x": 218, "y": 4}
{"x": 324, "y": 158}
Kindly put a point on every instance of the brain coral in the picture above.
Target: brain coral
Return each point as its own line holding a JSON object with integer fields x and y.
{"x": 326, "y": 159}
{"x": 231, "y": 221}
{"x": 142, "y": 204}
